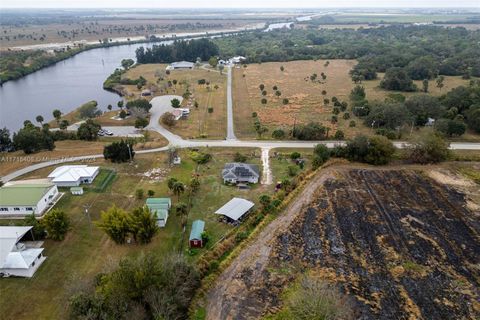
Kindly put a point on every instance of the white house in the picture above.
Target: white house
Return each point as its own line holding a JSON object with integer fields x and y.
{"x": 21, "y": 198}
{"x": 180, "y": 65}
{"x": 237, "y": 172}
{"x": 74, "y": 175}
{"x": 16, "y": 259}
{"x": 237, "y": 60}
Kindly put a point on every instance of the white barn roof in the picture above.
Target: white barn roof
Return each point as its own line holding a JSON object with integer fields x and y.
{"x": 235, "y": 208}
{"x": 72, "y": 173}
{"x": 9, "y": 236}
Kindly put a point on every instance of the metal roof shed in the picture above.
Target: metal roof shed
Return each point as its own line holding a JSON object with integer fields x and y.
{"x": 235, "y": 208}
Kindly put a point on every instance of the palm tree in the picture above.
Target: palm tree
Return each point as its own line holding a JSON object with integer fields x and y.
{"x": 178, "y": 189}
{"x": 39, "y": 119}
{"x": 170, "y": 183}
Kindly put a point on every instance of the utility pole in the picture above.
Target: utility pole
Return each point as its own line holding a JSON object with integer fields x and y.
{"x": 129, "y": 151}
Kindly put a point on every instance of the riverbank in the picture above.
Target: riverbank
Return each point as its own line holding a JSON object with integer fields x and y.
{"x": 13, "y": 69}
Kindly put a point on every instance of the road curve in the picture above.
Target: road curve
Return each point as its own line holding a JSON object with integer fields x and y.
{"x": 162, "y": 104}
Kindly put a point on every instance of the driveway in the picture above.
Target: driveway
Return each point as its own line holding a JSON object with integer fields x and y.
{"x": 160, "y": 105}
{"x": 124, "y": 131}
{"x": 230, "y": 131}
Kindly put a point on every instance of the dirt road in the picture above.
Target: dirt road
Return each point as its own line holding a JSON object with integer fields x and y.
{"x": 224, "y": 300}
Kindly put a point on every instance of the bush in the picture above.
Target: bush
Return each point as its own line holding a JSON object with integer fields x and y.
{"x": 121, "y": 151}
{"x": 285, "y": 101}
{"x": 430, "y": 148}
{"x": 141, "y": 123}
{"x": 387, "y": 115}
{"x": 142, "y": 287}
{"x": 311, "y": 131}
{"x": 292, "y": 171}
{"x": 175, "y": 103}
{"x": 210, "y": 109}
{"x": 278, "y": 134}
{"x": 320, "y": 155}
{"x": 56, "y": 224}
{"x": 397, "y": 79}
{"x": 89, "y": 110}
{"x": 88, "y": 130}
{"x": 238, "y": 157}
{"x": 139, "y": 103}
{"x": 168, "y": 119}
{"x": 375, "y": 150}
{"x": 139, "y": 194}
{"x": 339, "y": 135}
{"x": 450, "y": 127}
{"x": 263, "y": 101}
{"x": 295, "y": 155}
{"x": 352, "y": 124}
{"x": 316, "y": 299}
{"x": 346, "y": 116}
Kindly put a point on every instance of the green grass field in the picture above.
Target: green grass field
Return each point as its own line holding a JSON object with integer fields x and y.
{"x": 87, "y": 251}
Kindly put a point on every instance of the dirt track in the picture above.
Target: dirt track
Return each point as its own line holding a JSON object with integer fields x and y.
{"x": 225, "y": 300}
{"x": 401, "y": 245}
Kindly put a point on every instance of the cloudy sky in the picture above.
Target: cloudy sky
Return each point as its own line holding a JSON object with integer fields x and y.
{"x": 227, "y": 4}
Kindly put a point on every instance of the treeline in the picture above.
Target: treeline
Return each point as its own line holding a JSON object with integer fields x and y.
{"x": 188, "y": 50}
{"x": 13, "y": 64}
{"x": 422, "y": 51}
{"x": 451, "y": 114}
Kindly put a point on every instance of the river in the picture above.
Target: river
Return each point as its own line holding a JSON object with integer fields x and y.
{"x": 64, "y": 86}
{"x": 67, "y": 85}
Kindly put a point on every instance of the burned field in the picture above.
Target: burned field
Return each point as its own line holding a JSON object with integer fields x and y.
{"x": 399, "y": 244}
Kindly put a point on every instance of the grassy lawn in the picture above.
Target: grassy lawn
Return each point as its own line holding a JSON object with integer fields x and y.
{"x": 305, "y": 97}
{"x": 87, "y": 251}
{"x": 200, "y": 123}
{"x": 12, "y": 161}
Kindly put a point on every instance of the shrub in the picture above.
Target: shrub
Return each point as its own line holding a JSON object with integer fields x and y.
{"x": 292, "y": 171}
{"x": 430, "y": 148}
{"x": 121, "y": 151}
{"x": 339, "y": 135}
{"x": 278, "y": 134}
{"x": 450, "y": 127}
{"x": 346, "y": 116}
{"x": 316, "y": 299}
{"x": 264, "y": 101}
{"x": 310, "y": 131}
{"x": 56, "y": 224}
{"x": 139, "y": 103}
{"x": 141, "y": 123}
{"x": 295, "y": 155}
{"x": 336, "y": 110}
{"x": 88, "y": 130}
{"x": 210, "y": 109}
{"x": 168, "y": 119}
{"x": 352, "y": 124}
{"x": 375, "y": 150}
{"x": 320, "y": 155}
{"x": 150, "y": 193}
{"x": 238, "y": 157}
{"x": 175, "y": 103}
{"x": 254, "y": 115}
{"x": 285, "y": 101}
{"x": 139, "y": 193}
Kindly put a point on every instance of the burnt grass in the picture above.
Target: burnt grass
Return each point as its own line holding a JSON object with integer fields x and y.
{"x": 400, "y": 244}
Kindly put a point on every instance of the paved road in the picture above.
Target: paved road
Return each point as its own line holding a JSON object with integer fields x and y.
{"x": 162, "y": 104}
{"x": 230, "y": 131}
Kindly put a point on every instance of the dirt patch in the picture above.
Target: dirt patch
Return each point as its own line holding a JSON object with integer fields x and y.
{"x": 402, "y": 245}
{"x": 447, "y": 177}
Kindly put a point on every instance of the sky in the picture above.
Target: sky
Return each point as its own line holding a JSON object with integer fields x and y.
{"x": 231, "y": 4}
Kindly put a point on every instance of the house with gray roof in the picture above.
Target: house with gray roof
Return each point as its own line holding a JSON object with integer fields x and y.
{"x": 237, "y": 172}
